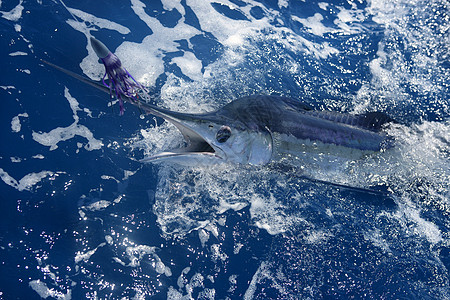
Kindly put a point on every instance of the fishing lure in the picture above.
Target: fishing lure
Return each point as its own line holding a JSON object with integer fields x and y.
{"x": 120, "y": 82}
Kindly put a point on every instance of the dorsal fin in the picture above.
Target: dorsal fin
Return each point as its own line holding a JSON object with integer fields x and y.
{"x": 374, "y": 120}
{"x": 294, "y": 103}
{"x": 371, "y": 121}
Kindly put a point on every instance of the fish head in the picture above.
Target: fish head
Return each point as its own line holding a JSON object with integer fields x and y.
{"x": 213, "y": 138}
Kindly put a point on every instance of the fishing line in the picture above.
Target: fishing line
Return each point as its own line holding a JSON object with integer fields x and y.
{"x": 68, "y": 10}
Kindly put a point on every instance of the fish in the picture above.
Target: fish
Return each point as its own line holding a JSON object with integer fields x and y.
{"x": 258, "y": 129}
{"x": 261, "y": 129}
{"x": 255, "y": 130}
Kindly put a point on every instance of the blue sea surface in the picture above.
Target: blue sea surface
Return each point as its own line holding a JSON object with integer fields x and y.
{"x": 82, "y": 218}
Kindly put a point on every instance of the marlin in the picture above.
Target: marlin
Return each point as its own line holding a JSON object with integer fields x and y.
{"x": 254, "y": 130}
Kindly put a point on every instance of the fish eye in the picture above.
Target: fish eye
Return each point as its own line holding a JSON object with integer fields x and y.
{"x": 223, "y": 134}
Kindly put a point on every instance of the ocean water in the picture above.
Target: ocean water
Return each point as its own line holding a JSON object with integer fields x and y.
{"x": 82, "y": 218}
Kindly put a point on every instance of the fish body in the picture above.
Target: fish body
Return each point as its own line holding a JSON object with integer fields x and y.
{"x": 260, "y": 129}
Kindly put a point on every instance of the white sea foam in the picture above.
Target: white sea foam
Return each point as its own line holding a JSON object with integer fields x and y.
{"x": 283, "y": 3}
{"x": 424, "y": 228}
{"x": 15, "y": 122}
{"x": 323, "y": 5}
{"x": 195, "y": 282}
{"x": 15, "y": 159}
{"x": 15, "y": 14}
{"x": 317, "y": 236}
{"x": 85, "y": 256}
{"x": 173, "y": 4}
{"x": 18, "y": 53}
{"x": 217, "y": 253}
{"x": 190, "y": 65}
{"x": 9, "y": 87}
{"x": 347, "y": 22}
{"x": 89, "y": 64}
{"x": 44, "y": 291}
{"x": 263, "y": 273}
{"x": 99, "y": 22}
{"x": 144, "y": 60}
{"x": 27, "y": 182}
{"x": 350, "y": 15}
{"x": 219, "y": 192}
{"x": 136, "y": 254}
{"x": 226, "y": 30}
{"x": 240, "y": 35}
{"x": 148, "y": 65}
{"x": 396, "y": 72}
{"x": 98, "y": 205}
{"x": 60, "y": 134}
{"x": 314, "y": 24}
{"x": 375, "y": 236}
